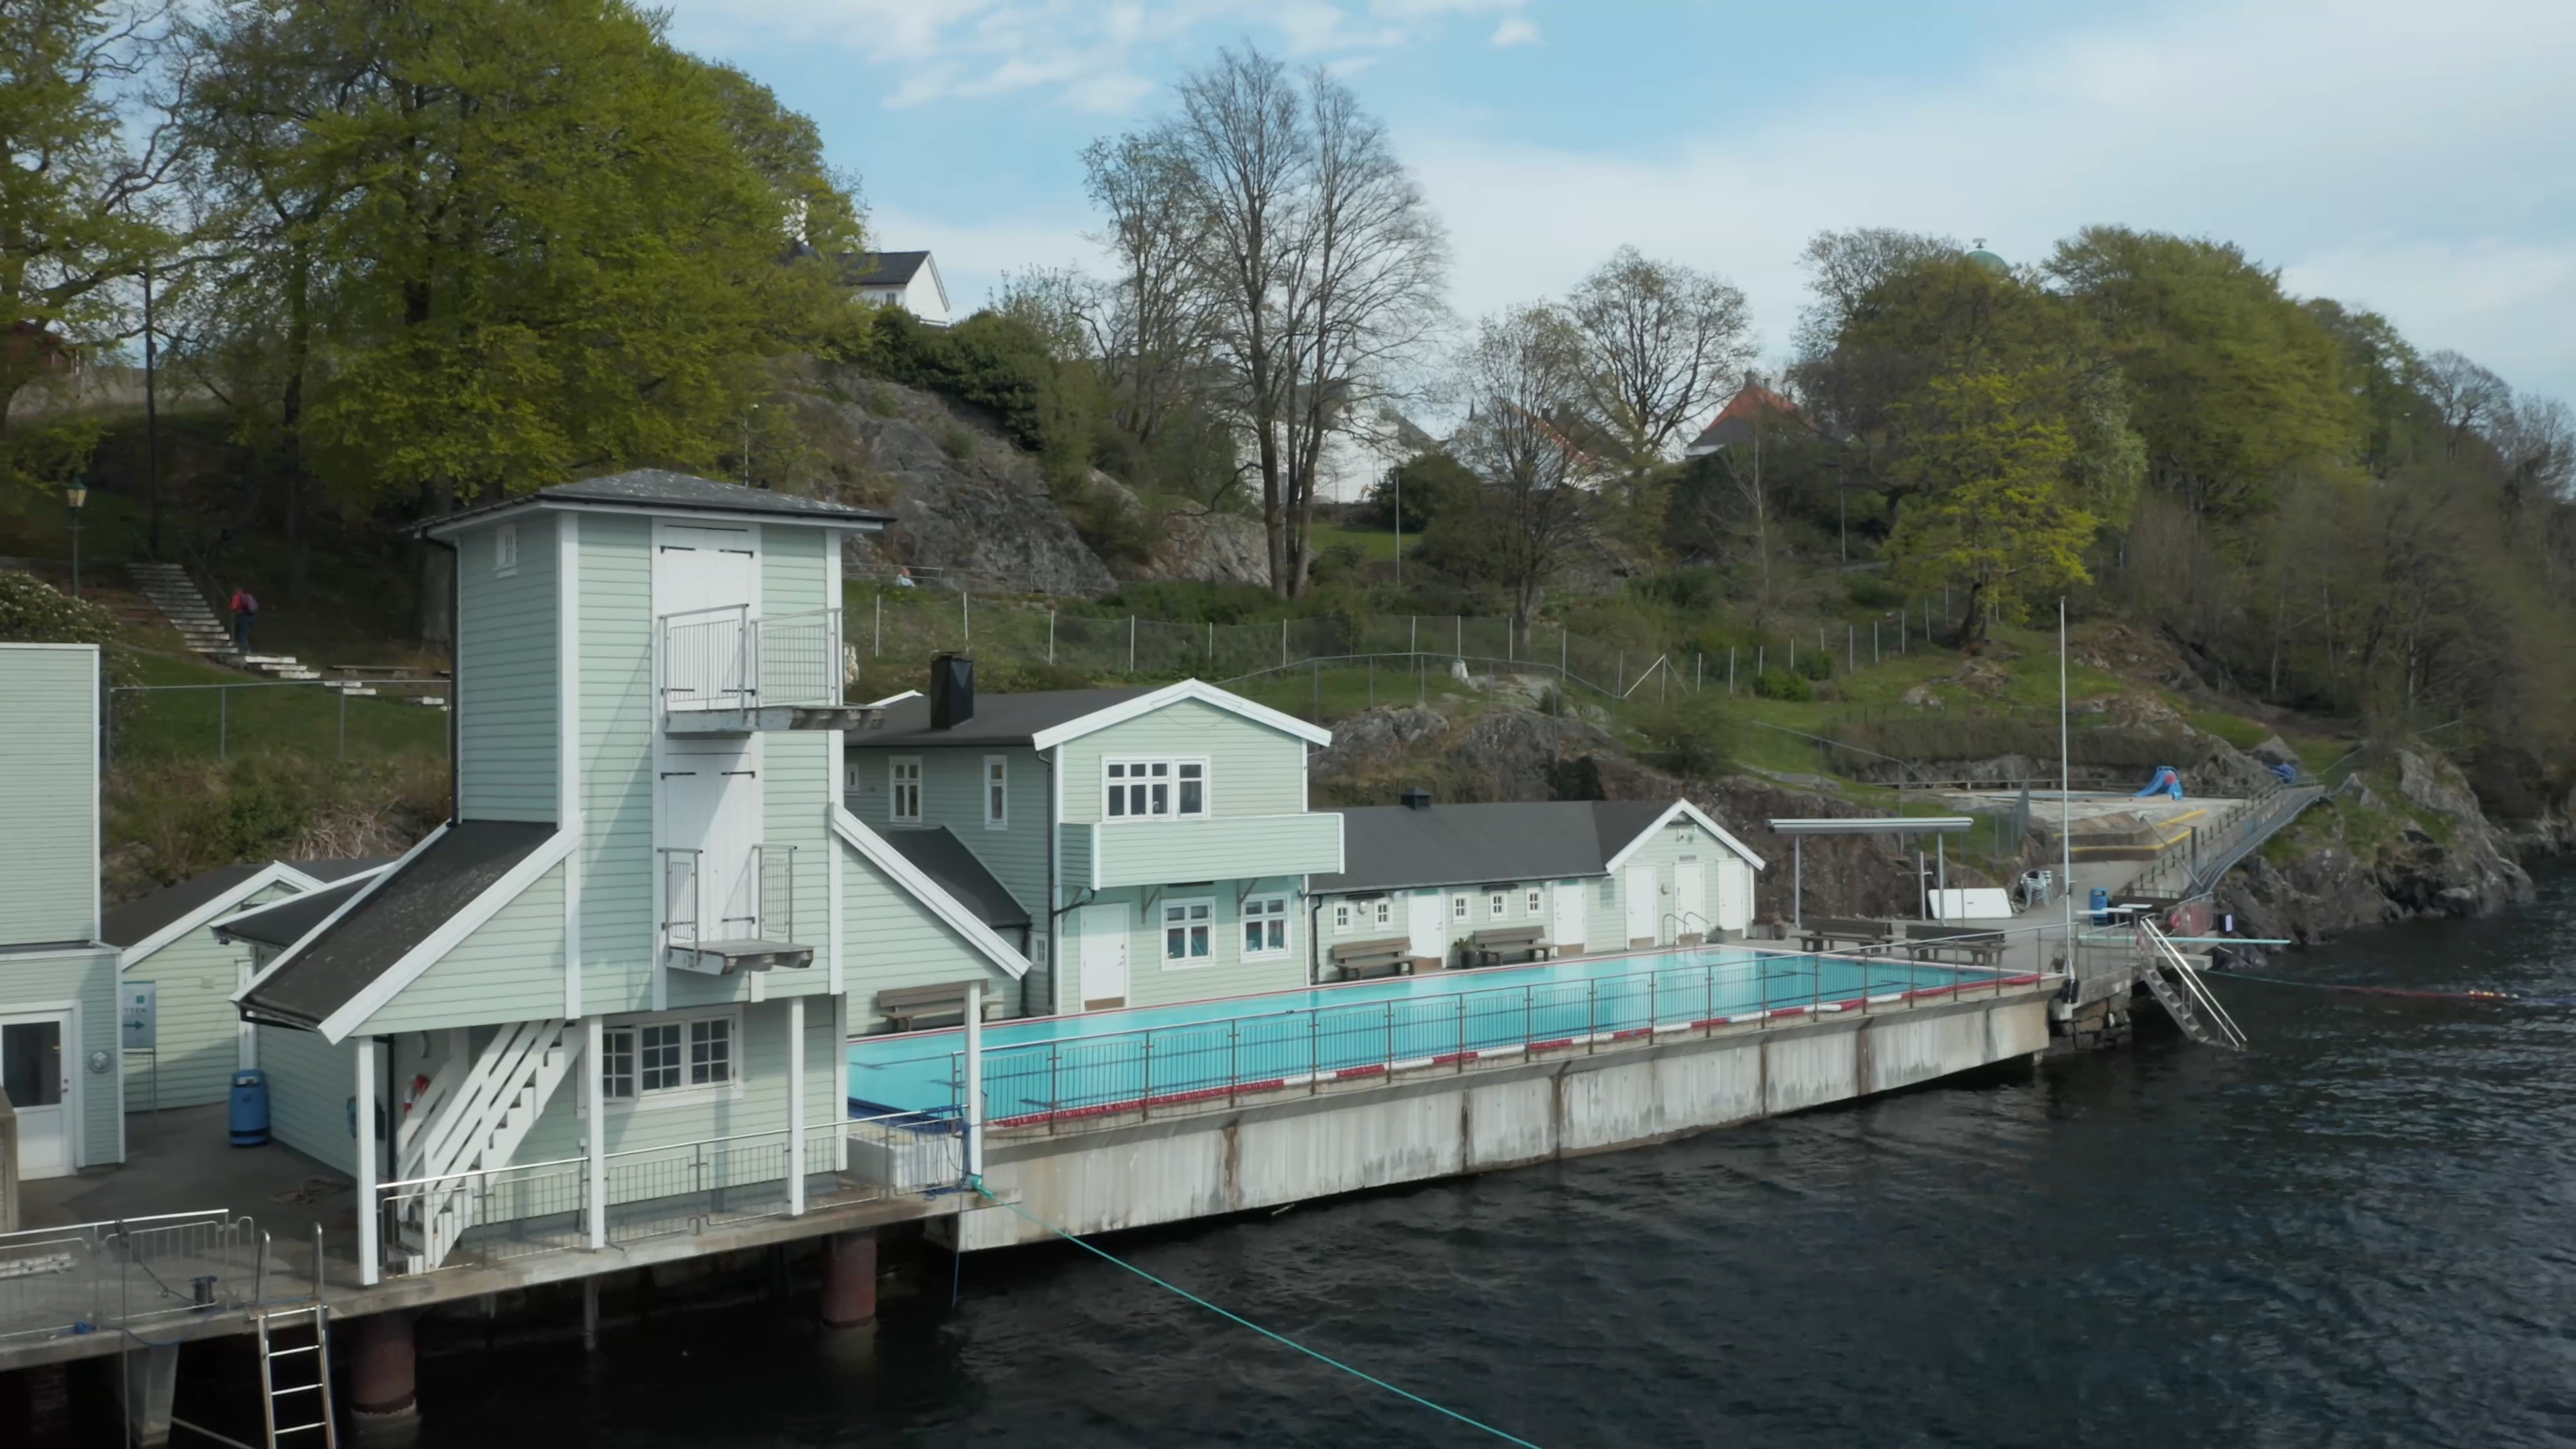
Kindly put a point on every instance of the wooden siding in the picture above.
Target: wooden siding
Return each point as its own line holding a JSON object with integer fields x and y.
{"x": 200, "y": 1031}
{"x": 1150, "y": 852}
{"x": 890, "y": 939}
{"x": 508, "y": 969}
{"x": 1252, "y": 768}
{"x": 618, "y": 721}
{"x": 952, "y": 794}
{"x": 48, "y": 794}
{"x": 86, "y": 975}
{"x": 310, "y": 1082}
{"x": 505, "y": 676}
{"x": 1153, "y": 982}
{"x": 759, "y": 1106}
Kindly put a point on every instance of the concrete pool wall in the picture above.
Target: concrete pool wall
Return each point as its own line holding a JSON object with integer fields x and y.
{"x": 1439, "y": 1123}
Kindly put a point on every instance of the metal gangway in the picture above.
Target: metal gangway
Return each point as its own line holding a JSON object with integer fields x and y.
{"x": 2185, "y": 997}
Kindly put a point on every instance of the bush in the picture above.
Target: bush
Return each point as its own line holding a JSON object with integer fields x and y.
{"x": 1689, "y": 739}
{"x": 173, "y": 820}
{"x": 1816, "y": 664}
{"x": 1781, "y": 684}
{"x": 1869, "y": 591}
{"x": 35, "y": 612}
{"x": 957, "y": 443}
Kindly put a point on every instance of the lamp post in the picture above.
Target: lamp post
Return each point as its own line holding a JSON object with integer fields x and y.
{"x": 75, "y": 495}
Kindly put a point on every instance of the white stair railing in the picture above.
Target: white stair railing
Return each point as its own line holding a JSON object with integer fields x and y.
{"x": 474, "y": 1124}
{"x": 2185, "y": 997}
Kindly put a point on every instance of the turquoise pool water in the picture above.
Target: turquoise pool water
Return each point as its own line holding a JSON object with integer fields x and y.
{"x": 1112, "y": 1060}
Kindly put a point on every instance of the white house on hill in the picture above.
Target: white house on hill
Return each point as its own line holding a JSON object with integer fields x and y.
{"x": 909, "y": 280}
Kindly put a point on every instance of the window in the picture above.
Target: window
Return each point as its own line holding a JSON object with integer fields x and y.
{"x": 1148, "y": 789}
{"x": 903, "y": 791}
{"x": 1457, "y": 908}
{"x": 655, "y": 1059}
{"x": 1265, "y": 926}
{"x": 1529, "y": 901}
{"x": 505, "y": 550}
{"x": 1498, "y": 904}
{"x": 997, "y": 794}
{"x": 1341, "y": 918}
{"x": 1385, "y": 912}
{"x": 1186, "y": 925}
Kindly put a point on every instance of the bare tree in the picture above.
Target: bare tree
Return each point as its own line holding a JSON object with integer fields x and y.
{"x": 2465, "y": 396}
{"x": 1527, "y": 377}
{"x": 1149, "y": 325}
{"x": 2535, "y": 443}
{"x": 1319, "y": 266}
{"x": 1664, "y": 343}
{"x": 1845, "y": 267}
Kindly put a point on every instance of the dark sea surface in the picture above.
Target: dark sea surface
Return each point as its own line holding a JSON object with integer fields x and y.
{"x": 2358, "y": 1232}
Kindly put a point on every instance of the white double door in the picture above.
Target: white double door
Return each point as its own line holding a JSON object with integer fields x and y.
{"x": 1690, "y": 899}
{"x": 711, "y": 806}
{"x": 35, "y": 1070}
{"x": 706, "y": 586}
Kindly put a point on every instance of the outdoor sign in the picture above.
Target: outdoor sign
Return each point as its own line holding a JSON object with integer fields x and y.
{"x": 138, "y": 1016}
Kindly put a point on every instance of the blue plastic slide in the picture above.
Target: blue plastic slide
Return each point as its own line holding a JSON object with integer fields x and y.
{"x": 2166, "y": 782}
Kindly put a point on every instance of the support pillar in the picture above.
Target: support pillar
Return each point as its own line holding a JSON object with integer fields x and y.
{"x": 145, "y": 1380}
{"x": 796, "y": 1089}
{"x": 49, "y": 1403}
{"x": 370, "y": 1256}
{"x": 849, "y": 1280}
{"x": 384, "y": 1383}
{"x": 589, "y": 1314}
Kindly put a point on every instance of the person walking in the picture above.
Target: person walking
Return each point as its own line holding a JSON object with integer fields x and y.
{"x": 245, "y": 614}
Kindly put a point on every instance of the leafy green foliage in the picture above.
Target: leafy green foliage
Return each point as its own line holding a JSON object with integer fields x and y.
{"x": 1429, "y": 484}
{"x": 1995, "y": 510}
{"x": 1688, "y": 737}
{"x": 35, "y": 612}
{"x": 1782, "y": 684}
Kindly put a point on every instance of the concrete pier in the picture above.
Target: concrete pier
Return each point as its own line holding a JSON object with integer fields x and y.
{"x": 1442, "y": 1121}
{"x": 849, "y": 1280}
{"x": 384, "y": 1378}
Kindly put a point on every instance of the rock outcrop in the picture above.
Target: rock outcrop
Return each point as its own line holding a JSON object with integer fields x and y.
{"x": 2358, "y": 859}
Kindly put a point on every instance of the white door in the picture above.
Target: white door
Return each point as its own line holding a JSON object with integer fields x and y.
{"x": 1690, "y": 898}
{"x": 1734, "y": 895}
{"x": 705, "y": 581}
{"x": 38, "y": 1080}
{"x": 711, "y": 822}
{"x": 1104, "y": 956}
{"x": 1566, "y": 934}
{"x": 1426, "y": 921}
{"x": 1645, "y": 906}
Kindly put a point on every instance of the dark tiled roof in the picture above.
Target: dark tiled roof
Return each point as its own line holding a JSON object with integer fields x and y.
{"x": 135, "y": 921}
{"x": 341, "y": 869}
{"x": 1734, "y": 422}
{"x": 402, "y": 911}
{"x": 283, "y": 923}
{"x": 944, "y": 858}
{"x": 655, "y": 488}
{"x": 882, "y": 269}
{"x": 1000, "y": 719}
{"x": 1392, "y": 847}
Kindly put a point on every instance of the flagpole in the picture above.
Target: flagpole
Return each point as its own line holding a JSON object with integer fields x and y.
{"x": 2065, "y": 794}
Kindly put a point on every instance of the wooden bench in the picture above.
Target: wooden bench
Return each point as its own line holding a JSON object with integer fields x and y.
{"x": 1828, "y": 931}
{"x": 906, "y": 1007}
{"x": 1981, "y": 947}
{"x": 1489, "y": 947}
{"x": 1391, "y": 956}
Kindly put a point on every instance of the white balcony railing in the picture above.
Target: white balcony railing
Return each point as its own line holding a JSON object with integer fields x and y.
{"x": 724, "y": 658}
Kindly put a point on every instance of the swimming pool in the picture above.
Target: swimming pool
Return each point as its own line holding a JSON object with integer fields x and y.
{"x": 1056, "y": 1067}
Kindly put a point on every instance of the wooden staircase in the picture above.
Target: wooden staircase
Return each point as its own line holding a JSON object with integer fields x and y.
{"x": 471, "y": 1119}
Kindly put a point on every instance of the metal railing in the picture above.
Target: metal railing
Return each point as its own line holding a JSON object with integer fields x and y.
{"x": 131, "y": 1273}
{"x": 759, "y": 903}
{"x": 2195, "y": 864}
{"x": 1212, "y": 1065}
{"x": 726, "y": 658}
{"x": 533, "y": 1208}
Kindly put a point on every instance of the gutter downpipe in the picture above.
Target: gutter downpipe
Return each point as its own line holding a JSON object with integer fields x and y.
{"x": 1054, "y": 847}
{"x": 456, "y": 674}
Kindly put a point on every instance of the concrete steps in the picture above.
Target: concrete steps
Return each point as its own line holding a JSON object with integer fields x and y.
{"x": 168, "y": 588}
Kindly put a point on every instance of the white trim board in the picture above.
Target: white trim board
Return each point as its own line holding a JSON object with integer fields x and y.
{"x": 1187, "y": 689}
{"x": 276, "y": 872}
{"x": 450, "y": 934}
{"x": 250, "y": 913}
{"x": 922, "y": 888}
{"x": 375, "y": 882}
{"x": 1698, "y": 817}
{"x": 677, "y": 513}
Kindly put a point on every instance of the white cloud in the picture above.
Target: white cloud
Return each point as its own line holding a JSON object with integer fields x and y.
{"x": 2427, "y": 171}
{"x": 1515, "y": 30}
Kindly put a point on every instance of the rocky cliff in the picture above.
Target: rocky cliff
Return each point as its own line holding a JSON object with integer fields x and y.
{"x": 2361, "y": 858}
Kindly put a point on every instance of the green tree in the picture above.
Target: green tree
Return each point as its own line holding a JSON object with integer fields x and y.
{"x": 1428, "y": 484}
{"x": 1995, "y": 511}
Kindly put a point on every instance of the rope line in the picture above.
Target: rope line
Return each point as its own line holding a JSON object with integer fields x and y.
{"x": 2510, "y": 997}
{"x": 1327, "y": 1359}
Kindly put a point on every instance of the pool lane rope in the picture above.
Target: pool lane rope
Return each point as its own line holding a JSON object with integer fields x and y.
{"x": 2505, "y": 998}
{"x": 1097, "y": 1251}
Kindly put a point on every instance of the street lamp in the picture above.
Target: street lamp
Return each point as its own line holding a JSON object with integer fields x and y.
{"x": 76, "y": 494}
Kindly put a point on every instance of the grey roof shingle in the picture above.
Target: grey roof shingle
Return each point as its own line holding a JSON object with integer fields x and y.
{"x": 883, "y": 269}
{"x": 1392, "y": 847}
{"x": 136, "y": 921}
{"x": 1000, "y": 719}
{"x": 944, "y": 858}
{"x": 655, "y": 488}
{"x": 405, "y": 908}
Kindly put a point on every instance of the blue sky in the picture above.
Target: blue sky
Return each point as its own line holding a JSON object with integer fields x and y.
{"x": 2406, "y": 157}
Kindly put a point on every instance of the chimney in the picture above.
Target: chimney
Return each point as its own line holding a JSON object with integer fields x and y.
{"x": 952, "y": 690}
{"x": 1415, "y": 798}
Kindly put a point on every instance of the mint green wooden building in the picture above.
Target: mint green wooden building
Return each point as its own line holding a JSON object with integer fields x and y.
{"x": 1157, "y": 837}
{"x": 621, "y": 973}
{"x": 58, "y": 1006}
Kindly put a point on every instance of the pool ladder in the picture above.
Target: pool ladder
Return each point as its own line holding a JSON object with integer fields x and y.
{"x": 301, "y": 1406}
{"x": 2185, "y": 997}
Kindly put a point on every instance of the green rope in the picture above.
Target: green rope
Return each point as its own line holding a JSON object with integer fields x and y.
{"x": 979, "y": 1187}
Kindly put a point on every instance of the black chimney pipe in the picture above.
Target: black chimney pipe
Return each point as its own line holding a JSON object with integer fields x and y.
{"x": 1415, "y": 798}
{"x": 952, "y": 690}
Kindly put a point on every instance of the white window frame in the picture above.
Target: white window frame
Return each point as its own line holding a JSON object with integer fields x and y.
{"x": 1205, "y": 923}
{"x": 1461, "y": 907}
{"x": 1384, "y": 918}
{"x": 895, "y": 783}
{"x": 1115, "y": 797}
{"x": 997, "y": 792}
{"x": 1342, "y": 918}
{"x": 1269, "y": 909}
{"x": 1533, "y": 899}
{"x": 505, "y": 550}
{"x": 1498, "y": 905}
{"x": 624, "y": 1037}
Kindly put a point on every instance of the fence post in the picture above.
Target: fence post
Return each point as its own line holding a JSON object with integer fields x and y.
{"x": 1852, "y": 637}
{"x": 876, "y": 640}
{"x": 344, "y": 722}
{"x": 1283, "y": 643}
{"x": 1458, "y": 622}
{"x": 1131, "y": 643}
{"x": 223, "y": 721}
{"x": 1211, "y": 646}
{"x": 1560, "y": 653}
{"x": 965, "y": 616}
{"x": 1050, "y": 636}
{"x": 1730, "y": 671}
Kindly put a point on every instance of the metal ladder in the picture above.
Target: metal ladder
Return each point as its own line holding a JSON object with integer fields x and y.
{"x": 2184, "y": 996}
{"x": 308, "y": 1396}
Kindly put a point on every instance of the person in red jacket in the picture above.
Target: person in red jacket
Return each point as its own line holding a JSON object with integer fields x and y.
{"x": 245, "y": 614}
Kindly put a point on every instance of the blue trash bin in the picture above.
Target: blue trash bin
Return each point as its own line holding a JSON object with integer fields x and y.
{"x": 2101, "y": 906}
{"x": 250, "y": 1107}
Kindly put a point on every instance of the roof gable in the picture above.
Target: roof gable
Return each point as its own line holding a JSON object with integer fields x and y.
{"x": 1393, "y": 847}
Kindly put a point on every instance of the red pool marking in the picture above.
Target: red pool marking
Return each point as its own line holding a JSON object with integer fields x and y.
{"x": 1348, "y": 1072}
